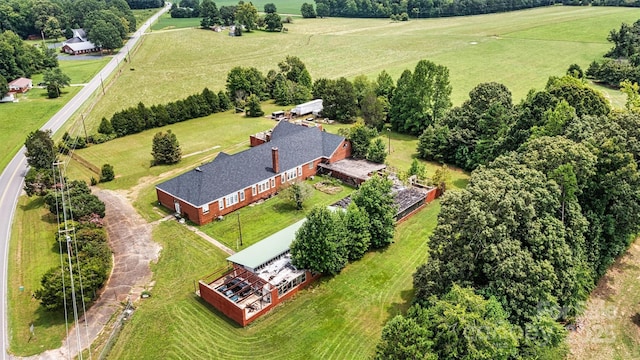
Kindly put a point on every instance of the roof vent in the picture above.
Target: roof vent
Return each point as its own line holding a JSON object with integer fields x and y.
{"x": 198, "y": 169}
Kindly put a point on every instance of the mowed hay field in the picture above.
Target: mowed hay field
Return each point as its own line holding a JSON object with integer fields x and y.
{"x": 338, "y": 317}
{"x": 519, "y": 49}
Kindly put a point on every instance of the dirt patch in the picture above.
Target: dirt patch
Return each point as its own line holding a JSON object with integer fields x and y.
{"x": 327, "y": 187}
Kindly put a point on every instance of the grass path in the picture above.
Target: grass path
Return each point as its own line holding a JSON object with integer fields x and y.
{"x": 33, "y": 251}
{"x": 337, "y": 318}
{"x": 611, "y": 322}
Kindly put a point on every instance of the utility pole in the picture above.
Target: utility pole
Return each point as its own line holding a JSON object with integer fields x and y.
{"x": 389, "y": 136}
{"x": 102, "y": 83}
{"x": 84, "y": 127}
{"x": 239, "y": 229}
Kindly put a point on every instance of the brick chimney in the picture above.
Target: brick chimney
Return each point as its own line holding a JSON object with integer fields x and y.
{"x": 275, "y": 160}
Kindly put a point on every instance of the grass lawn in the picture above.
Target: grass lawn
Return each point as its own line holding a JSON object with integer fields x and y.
{"x": 261, "y": 220}
{"x": 200, "y": 139}
{"x": 166, "y": 22}
{"x": 520, "y": 49}
{"x": 34, "y": 108}
{"x": 32, "y": 252}
{"x": 339, "y": 317}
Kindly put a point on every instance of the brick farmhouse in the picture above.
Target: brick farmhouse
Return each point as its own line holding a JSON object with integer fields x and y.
{"x": 230, "y": 182}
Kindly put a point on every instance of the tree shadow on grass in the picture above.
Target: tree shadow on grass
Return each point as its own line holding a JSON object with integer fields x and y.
{"x": 461, "y": 183}
{"x": 45, "y": 319}
{"x": 284, "y": 207}
{"x": 400, "y": 308}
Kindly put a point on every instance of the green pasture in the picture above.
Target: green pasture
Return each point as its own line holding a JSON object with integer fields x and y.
{"x": 338, "y": 317}
{"x": 166, "y": 22}
{"x": 519, "y": 49}
{"x": 261, "y": 220}
{"x": 34, "y": 108}
{"x": 287, "y": 7}
{"x": 200, "y": 140}
{"x": 33, "y": 251}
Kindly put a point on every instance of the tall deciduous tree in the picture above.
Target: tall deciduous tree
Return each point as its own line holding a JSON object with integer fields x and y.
{"x": 166, "y": 149}
{"x": 4, "y": 86}
{"x": 56, "y": 80}
{"x": 272, "y": 22}
{"x": 459, "y": 325}
{"x": 385, "y": 85}
{"x": 307, "y": 11}
{"x": 357, "y": 236}
{"x": 297, "y": 193}
{"x": 322, "y": 10}
{"x": 270, "y": 8}
{"x": 421, "y": 98}
{"x": 374, "y": 197}
{"x": 377, "y": 151}
{"x": 41, "y": 151}
{"x": 254, "y": 109}
{"x": 374, "y": 110}
{"x": 338, "y": 99}
{"x": 319, "y": 243}
{"x": 504, "y": 237}
{"x": 105, "y": 35}
{"x": 295, "y": 70}
{"x": 247, "y": 15}
{"x": 210, "y": 14}
{"x": 241, "y": 82}
{"x": 360, "y": 136}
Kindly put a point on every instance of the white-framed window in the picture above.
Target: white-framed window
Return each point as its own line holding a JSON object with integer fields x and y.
{"x": 299, "y": 170}
{"x": 311, "y": 165}
{"x": 205, "y": 208}
{"x": 283, "y": 178}
{"x": 292, "y": 174}
{"x": 254, "y": 190}
{"x": 231, "y": 199}
{"x": 221, "y": 204}
{"x": 263, "y": 186}
{"x": 273, "y": 182}
{"x": 242, "y": 195}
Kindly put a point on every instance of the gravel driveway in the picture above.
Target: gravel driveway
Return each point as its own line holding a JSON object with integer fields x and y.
{"x": 133, "y": 251}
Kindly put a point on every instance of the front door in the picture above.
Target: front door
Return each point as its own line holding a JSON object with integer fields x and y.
{"x": 176, "y": 204}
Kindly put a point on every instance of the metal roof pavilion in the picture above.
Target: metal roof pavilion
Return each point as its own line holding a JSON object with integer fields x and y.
{"x": 267, "y": 249}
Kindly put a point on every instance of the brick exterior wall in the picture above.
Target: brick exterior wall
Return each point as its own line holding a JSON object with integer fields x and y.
{"x": 196, "y": 214}
{"x": 237, "y": 314}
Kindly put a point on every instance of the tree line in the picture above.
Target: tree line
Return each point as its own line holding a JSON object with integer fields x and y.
{"x": 419, "y": 8}
{"x": 554, "y": 199}
{"x": 19, "y": 59}
{"x": 403, "y": 10}
{"x": 244, "y": 16}
{"x": 55, "y": 18}
{"x": 623, "y": 59}
{"x": 138, "y": 118}
{"x": 91, "y": 254}
{"x": 145, "y": 4}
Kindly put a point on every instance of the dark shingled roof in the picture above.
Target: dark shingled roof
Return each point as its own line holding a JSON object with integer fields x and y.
{"x": 297, "y": 145}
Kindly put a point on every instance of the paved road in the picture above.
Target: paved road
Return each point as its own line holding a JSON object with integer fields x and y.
{"x": 12, "y": 177}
